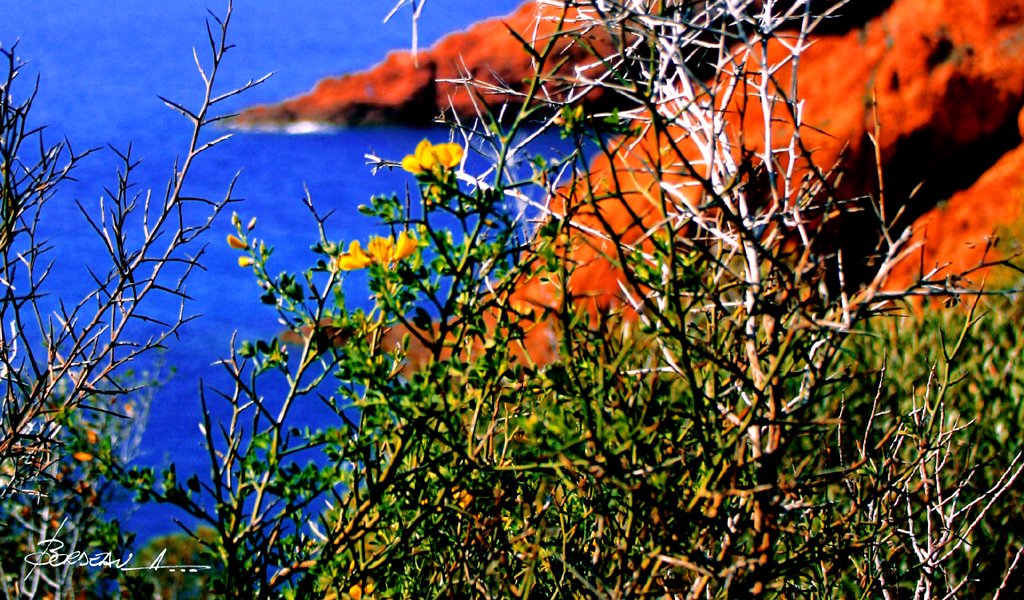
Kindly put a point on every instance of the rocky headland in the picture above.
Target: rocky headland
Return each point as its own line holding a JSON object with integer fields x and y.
{"x": 944, "y": 77}
{"x": 414, "y": 89}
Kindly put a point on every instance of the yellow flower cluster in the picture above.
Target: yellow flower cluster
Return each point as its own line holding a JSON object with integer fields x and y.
{"x": 382, "y": 251}
{"x": 356, "y": 591}
{"x": 240, "y": 244}
{"x": 429, "y": 158}
{"x": 237, "y": 244}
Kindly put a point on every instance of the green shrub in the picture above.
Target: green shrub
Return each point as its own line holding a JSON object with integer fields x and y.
{"x": 74, "y": 399}
{"x": 728, "y": 422}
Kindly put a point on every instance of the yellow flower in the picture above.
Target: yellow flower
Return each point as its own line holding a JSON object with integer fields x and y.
{"x": 82, "y": 456}
{"x": 429, "y": 158}
{"x": 380, "y": 250}
{"x": 245, "y": 261}
{"x": 355, "y": 258}
{"x": 448, "y": 155}
{"x": 236, "y": 243}
{"x": 355, "y": 592}
{"x": 463, "y": 498}
{"x": 406, "y": 245}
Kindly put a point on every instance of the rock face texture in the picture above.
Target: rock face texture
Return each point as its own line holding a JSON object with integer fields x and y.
{"x": 949, "y": 79}
{"x": 946, "y": 81}
{"x": 955, "y": 236}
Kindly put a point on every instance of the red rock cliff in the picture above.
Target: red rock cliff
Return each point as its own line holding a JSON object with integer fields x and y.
{"x": 414, "y": 90}
{"x": 948, "y": 77}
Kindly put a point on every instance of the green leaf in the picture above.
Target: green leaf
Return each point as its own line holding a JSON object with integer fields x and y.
{"x": 421, "y": 319}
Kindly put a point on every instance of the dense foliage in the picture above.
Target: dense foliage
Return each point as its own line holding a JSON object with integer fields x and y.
{"x": 636, "y": 368}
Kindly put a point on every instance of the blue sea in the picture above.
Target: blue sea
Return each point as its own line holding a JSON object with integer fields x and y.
{"x": 101, "y": 66}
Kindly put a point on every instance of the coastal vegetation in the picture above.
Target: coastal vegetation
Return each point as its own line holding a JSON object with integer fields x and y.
{"x": 667, "y": 362}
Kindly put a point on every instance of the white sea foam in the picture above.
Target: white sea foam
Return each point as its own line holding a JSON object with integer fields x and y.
{"x": 296, "y": 128}
{"x": 305, "y": 127}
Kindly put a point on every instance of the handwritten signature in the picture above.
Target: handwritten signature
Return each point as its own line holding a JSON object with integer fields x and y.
{"x": 50, "y": 553}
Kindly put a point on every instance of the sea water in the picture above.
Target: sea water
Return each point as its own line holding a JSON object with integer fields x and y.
{"x": 101, "y": 67}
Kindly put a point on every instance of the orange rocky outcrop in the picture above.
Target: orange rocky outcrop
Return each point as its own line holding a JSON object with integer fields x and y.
{"x": 414, "y": 90}
{"x": 948, "y": 76}
{"x": 408, "y": 89}
{"x": 955, "y": 237}
{"x": 948, "y": 79}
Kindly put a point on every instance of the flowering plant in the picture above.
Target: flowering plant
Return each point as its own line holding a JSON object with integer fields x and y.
{"x": 636, "y": 375}
{"x": 381, "y": 251}
{"x": 430, "y": 159}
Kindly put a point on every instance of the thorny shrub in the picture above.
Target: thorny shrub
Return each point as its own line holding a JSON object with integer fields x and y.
{"x": 639, "y": 368}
